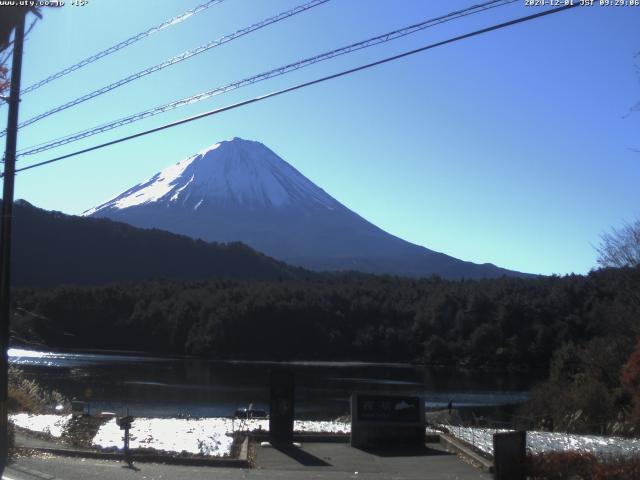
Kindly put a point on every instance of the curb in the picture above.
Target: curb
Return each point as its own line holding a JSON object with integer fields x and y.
{"x": 432, "y": 438}
{"x": 30, "y": 472}
{"x": 453, "y": 444}
{"x": 241, "y": 462}
{"x": 306, "y": 438}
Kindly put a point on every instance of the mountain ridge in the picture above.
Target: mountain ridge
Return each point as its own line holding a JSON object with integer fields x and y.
{"x": 240, "y": 190}
{"x": 52, "y": 248}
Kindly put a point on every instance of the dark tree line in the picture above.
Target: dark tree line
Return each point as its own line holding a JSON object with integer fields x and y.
{"x": 503, "y": 322}
{"x": 581, "y": 329}
{"x": 51, "y": 248}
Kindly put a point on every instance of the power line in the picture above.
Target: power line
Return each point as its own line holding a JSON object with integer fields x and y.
{"x": 386, "y": 37}
{"x": 174, "y": 60}
{"x": 302, "y": 85}
{"x": 123, "y": 44}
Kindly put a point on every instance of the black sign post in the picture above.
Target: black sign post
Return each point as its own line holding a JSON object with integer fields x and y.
{"x": 125, "y": 424}
{"x": 281, "y": 409}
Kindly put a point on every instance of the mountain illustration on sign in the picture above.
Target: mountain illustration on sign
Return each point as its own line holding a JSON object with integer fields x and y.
{"x": 240, "y": 190}
{"x": 402, "y": 405}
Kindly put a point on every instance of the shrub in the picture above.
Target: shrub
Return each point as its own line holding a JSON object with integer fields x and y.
{"x": 28, "y": 396}
{"x": 582, "y": 466}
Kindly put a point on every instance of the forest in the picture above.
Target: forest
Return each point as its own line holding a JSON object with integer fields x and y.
{"x": 581, "y": 329}
{"x": 507, "y": 322}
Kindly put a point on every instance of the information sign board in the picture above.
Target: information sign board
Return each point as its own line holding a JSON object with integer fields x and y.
{"x": 386, "y": 420}
{"x": 385, "y": 408}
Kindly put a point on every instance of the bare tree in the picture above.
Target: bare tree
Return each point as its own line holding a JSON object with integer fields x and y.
{"x": 620, "y": 247}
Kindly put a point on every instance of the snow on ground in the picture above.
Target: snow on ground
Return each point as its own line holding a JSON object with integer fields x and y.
{"x": 321, "y": 426}
{"x": 51, "y": 424}
{"x": 203, "y": 436}
{"x": 301, "y": 426}
{"x": 212, "y": 436}
{"x": 542, "y": 442}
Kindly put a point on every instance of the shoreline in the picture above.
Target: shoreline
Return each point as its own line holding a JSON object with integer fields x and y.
{"x": 296, "y": 362}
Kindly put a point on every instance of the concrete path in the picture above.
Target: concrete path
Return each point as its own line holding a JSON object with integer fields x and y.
{"x": 321, "y": 461}
{"x": 339, "y": 460}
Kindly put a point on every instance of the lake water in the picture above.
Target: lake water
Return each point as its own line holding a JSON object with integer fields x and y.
{"x": 162, "y": 387}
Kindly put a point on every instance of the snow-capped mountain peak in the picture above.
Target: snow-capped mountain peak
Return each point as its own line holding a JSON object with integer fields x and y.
{"x": 239, "y": 190}
{"x": 237, "y": 171}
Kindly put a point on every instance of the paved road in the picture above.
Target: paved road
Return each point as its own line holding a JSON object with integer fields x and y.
{"x": 322, "y": 461}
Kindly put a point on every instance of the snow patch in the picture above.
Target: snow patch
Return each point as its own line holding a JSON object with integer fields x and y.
{"x": 206, "y": 436}
{"x": 300, "y": 426}
{"x": 544, "y": 442}
{"x": 200, "y": 436}
{"x": 156, "y": 187}
{"x": 54, "y": 425}
{"x": 175, "y": 195}
{"x": 211, "y": 148}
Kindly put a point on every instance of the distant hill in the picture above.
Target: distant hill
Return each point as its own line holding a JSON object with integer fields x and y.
{"x": 51, "y": 248}
{"x": 240, "y": 190}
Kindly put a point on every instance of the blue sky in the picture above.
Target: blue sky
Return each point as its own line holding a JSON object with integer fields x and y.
{"x": 513, "y": 147}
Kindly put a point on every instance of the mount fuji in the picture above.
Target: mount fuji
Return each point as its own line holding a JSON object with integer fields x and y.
{"x": 240, "y": 190}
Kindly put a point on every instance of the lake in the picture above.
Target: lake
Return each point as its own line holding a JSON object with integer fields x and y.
{"x": 162, "y": 387}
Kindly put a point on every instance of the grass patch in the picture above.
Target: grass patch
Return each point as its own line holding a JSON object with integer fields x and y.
{"x": 81, "y": 430}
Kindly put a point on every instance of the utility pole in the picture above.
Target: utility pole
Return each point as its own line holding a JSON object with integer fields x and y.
{"x": 5, "y": 234}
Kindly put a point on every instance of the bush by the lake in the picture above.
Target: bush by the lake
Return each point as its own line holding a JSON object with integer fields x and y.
{"x": 583, "y": 393}
{"x": 582, "y": 466}
{"x": 27, "y": 395}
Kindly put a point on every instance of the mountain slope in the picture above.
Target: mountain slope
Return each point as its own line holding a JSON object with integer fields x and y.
{"x": 240, "y": 190}
{"x": 51, "y": 248}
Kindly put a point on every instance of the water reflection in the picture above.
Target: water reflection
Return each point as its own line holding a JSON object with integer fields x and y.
{"x": 157, "y": 386}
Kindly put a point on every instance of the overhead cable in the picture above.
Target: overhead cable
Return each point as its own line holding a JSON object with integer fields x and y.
{"x": 174, "y": 60}
{"x": 119, "y": 46}
{"x": 386, "y": 37}
{"x": 300, "y": 86}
